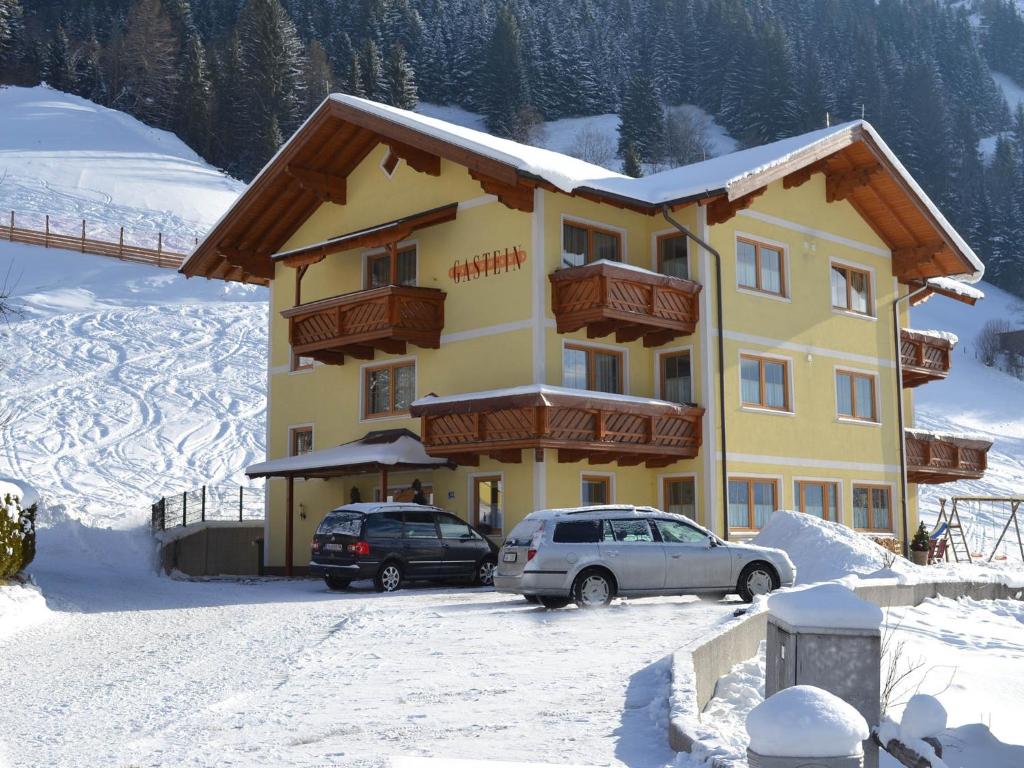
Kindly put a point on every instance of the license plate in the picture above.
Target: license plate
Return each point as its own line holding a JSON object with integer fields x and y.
{"x": 334, "y": 547}
{"x": 510, "y": 557}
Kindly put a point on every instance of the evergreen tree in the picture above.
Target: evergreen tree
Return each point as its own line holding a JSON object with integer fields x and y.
{"x": 60, "y": 70}
{"x": 149, "y": 80}
{"x": 319, "y": 78}
{"x": 194, "y": 96}
{"x": 502, "y": 75}
{"x": 401, "y": 79}
{"x": 89, "y": 79}
{"x": 372, "y": 82}
{"x": 642, "y": 119}
{"x": 11, "y": 30}
{"x": 631, "y": 165}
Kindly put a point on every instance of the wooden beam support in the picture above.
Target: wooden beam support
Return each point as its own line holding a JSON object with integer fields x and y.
{"x": 391, "y": 346}
{"x": 803, "y": 175}
{"x": 417, "y": 159}
{"x": 840, "y": 185}
{"x": 906, "y": 262}
{"x": 326, "y": 186}
{"x": 517, "y": 196}
{"x": 722, "y": 209}
{"x": 511, "y": 456}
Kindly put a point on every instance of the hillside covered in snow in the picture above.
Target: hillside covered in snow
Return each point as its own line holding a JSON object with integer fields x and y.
{"x": 120, "y": 382}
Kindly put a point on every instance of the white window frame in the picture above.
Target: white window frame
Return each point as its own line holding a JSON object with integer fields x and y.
{"x": 611, "y": 484}
{"x": 786, "y": 297}
{"x": 680, "y": 476}
{"x": 872, "y": 289}
{"x": 790, "y": 376}
{"x": 291, "y": 428}
{"x": 780, "y": 502}
{"x": 840, "y": 491}
{"x": 894, "y": 532}
{"x": 362, "y": 387}
{"x": 566, "y": 218}
{"x": 837, "y": 369}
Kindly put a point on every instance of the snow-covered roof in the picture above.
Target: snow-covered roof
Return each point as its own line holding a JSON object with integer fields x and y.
{"x": 949, "y": 285}
{"x": 829, "y": 606}
{"x": 404, "y": 451}
{"x": 947, "y": 336}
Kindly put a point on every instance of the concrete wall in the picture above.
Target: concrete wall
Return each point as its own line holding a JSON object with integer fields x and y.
{"x": 697, "y": 667}
{"x": 212, "y": 549}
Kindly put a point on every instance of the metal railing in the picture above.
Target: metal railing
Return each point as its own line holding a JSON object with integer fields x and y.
{"x": 222, "y": 502}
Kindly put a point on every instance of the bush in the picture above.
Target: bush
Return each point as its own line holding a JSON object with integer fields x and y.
{"x": 988, "y": 340}
{"x": 920, "y": 542}
{"x": 17, "y": 536}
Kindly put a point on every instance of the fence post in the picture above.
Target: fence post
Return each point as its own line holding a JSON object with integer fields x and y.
{"x": 202, "y": 513}
{"x": 46, "y": 240}
{"x": 159, "y": 249}
{"x": 83, "y": 235}
{"x": 241, "y": 490}
{"x": 12, "y": 227}
{"x": 163, "y": 513}
{"x": 184, "y": 509}
{"x": 120, "y": 245}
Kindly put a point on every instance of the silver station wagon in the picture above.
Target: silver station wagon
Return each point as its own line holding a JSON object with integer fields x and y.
{"x": 591, "y": 554}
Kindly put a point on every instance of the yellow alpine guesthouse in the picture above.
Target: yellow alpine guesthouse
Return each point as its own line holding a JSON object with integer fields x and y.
{"x": 517, "y": 329}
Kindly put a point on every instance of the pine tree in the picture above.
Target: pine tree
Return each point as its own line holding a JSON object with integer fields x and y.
{"x": 148, "y": 86}
{"x": 502, "y": 75}
{"x": 373, "y": 84}
{"x": 319, "y": 77}
{"x": 631, "y": 165}
{"x": 642, "y": 119}
{"x": 401, "y": 79}
{"x": 194, "y": 96}
{"x": 60, "y": 70}
{"x": 89, "y": 79}
{"x": 11, "y": 30}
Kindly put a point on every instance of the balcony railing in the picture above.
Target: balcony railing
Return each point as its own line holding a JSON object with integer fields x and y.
{"x": 933, "y": 458}
{"x": 358, "y": 324}
{"x": 606, "y": 297}
{"x": 926, "y": 357}
{"x": 580, "y": 425}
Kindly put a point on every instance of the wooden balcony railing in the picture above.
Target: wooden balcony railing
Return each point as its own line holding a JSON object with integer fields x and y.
{"x": 935, "y": 458}
{"x": 579, "y": 424}
{"x": 606, "y": 297}
{"x": 358, "y": 324}
{"x": 925, "y": 357}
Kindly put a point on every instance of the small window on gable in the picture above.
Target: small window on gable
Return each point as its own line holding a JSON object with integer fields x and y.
{"x": 389, "y": 163}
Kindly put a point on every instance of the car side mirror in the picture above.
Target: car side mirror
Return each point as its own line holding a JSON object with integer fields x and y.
{"x": 712, "y": 543}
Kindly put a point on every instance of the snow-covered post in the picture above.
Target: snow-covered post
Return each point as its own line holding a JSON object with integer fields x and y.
{"x": 825, "y": 636}
{"x": 805, "y": 726}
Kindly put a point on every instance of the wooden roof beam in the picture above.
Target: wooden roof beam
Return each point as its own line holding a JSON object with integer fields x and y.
{"x": 721, "y": 209}
{"x": 803, "y": 175}
{"x": 517, "y": 196}
{"x": 907, "y": 262}
{"x": 417, "y": 159}
{"x": 839, "y": 186}
{"x": 326, "y": 186}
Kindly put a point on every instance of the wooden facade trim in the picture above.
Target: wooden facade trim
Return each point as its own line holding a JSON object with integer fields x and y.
{"x": 924, "y": 358}
{"x": 935, "y": 459}
{"x": 326, "y": 186}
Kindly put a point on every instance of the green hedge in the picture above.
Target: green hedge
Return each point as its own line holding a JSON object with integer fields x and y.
{"x": 17, "y": 536}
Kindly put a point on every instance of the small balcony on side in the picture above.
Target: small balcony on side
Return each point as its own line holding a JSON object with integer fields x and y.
{"x": 361, "y": 323}
{"x": 608, "y": 297}
{"x": 579, "y": 424}
{"x": 937, "y": 458}
{"x": 926, "y": 356}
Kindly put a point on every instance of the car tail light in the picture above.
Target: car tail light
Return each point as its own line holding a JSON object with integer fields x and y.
{"x": 530, "y": 554}
{"x": 534, "y": 542}
{"x": 359, "y": 548}
{"x": 316, "y": 545}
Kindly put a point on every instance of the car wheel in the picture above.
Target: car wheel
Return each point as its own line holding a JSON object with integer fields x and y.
{"x": 756, "y": 579}
{"x": 388, "y": 578}
{"x": 553, "y": 603}
{"x": 336, "y": 583}
{"x": 485, "y": 572}
{"x": 593, "y": 589}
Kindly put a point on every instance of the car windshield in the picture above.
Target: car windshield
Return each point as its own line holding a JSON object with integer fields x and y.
{"x": 342, "y": 523}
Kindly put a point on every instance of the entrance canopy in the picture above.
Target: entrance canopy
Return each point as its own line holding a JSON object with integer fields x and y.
{"x": 382, "y": 450}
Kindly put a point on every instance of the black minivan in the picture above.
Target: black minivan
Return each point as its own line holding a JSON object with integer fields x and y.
{"x": 396, "y": 542}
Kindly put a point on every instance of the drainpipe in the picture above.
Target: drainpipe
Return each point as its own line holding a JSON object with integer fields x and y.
{"x": 721, "y": 358}
{"x": 897, "y": 342}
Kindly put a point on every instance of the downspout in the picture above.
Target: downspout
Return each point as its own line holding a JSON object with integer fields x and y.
{"x": 721, "y": 359}
{"x": 898, "y": 344}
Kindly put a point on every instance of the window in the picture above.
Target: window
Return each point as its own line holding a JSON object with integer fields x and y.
{"x": 488, "y": 504}
{"x": 628, "y": 532}
{"x": 751, "y": 501}
{"x": 680, "y": 496}
{"x": 300, "y": 440}
{"x": 851, "y": 289}
{"x": 453, "y": 528}
{"x": 676, "y": 381}
{"x": 672, "y": 256}
{"x": 583, "y": 243}
{"x": 818, "y": 498}
{"x": 764, "y": 382}
{"x": 300, "y": 363}
{"x": 674, "y": 532}
{"x": 379, "y": 269}
{"x": 578, "y": 532}
{"x": 759, "y": 267}
{"x": 872, "y": 508}
{"x": 593, "y": 369}
{"x": 389, "y": 389}
{"x": 420, "y": 525}
{"x": 386, "y": 525}
{"x": 343, "y": 523}
{"x": 596, "y": 489}
{"x": 855, "y": 396}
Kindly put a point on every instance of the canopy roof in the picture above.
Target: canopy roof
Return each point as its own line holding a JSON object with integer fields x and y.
{"x": 313, "y": 167}
{"x": 385, "y": 449}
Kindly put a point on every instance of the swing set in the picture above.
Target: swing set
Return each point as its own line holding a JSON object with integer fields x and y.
{"x": 948, "y": 534}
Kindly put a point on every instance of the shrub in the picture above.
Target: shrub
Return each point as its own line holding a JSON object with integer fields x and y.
{"x": 920, "y": 541}
{"x": 17, "y": 536}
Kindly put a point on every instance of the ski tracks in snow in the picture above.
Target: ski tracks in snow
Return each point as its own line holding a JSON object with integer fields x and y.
{"x": 110, "y": 410}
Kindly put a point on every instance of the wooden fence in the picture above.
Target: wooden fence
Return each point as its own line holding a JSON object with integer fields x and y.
{"x": 119, "y": 250}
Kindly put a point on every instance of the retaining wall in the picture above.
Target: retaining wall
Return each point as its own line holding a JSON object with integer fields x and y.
{"x": 696, "y": 667}
{"x": 214, "y": 548}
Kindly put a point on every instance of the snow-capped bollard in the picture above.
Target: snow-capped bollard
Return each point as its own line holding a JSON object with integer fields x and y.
{"x": 805, "y": 726}
{"x": 825, "y": 636}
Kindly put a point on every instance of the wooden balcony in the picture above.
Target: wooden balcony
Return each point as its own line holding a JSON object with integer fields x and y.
{"x": 925, "y": 357}
{"x": 579, "y": 424}
{"x": 944, "y": 458}
{"x": 606, "y": 297}
{"x": 358, "y": 324}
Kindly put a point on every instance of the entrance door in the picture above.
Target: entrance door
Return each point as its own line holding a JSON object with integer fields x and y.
{"x": 488, "y": 510}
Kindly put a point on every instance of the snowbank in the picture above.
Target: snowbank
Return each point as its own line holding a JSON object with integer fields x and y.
{"x": 27, "y": 495}
{"x": 825, "y": 551}
{"x": 21, "y": 606}
{"x": 804, "y": 721}
{"x": 923, "y": 717}
{"x": 824, "y": 605}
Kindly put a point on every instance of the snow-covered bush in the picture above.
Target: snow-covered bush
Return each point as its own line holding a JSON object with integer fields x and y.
{"x": 17, "y": 536}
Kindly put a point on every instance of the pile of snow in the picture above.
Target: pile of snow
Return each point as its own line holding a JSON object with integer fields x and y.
{"x": 825, "y": 551}
{"x": 924, "y": 716}
{"x": 21, "y": 606}
{"x": 24, "y": 492}
{"x": 804, "y": 721}
{"x": 831, "y": 605}
{"x": 957, "y": 287}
